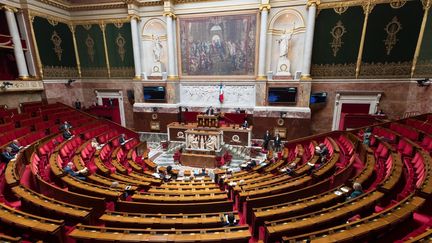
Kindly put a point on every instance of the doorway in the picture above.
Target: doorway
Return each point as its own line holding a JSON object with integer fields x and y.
{"x": 114, "y": 101}
{"x": 354, "y": 102}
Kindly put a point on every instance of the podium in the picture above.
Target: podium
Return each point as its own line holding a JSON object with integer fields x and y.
{"x": 207, "y": 121}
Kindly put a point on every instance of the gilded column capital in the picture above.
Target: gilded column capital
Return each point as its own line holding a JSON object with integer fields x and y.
{"x": 264, "y": 6}
{"x": 170, "y": 14}
{"x": 9, "y": 9}
{"x": 427, "y": 4}
{"x": 313, "y": 2}
{"x": 71, "y": 27}
{"x": 134, "y": 16}
{"x": 368, "y": 7}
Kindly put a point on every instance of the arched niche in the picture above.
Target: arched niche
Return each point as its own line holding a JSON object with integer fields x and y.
{"x": 289, "y": 20}
{"x": 154, "y": 28}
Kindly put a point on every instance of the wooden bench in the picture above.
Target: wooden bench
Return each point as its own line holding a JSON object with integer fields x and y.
{"x": 49, "y": 207}
{"x": 85, "y": 233}
{"x": 185, "y": 198}
{"x": 367, "y": 229}
{"x": 91, "y": 189}
{"x": 156, "y": 221}
{"x": 174, "y": 208}
{"x": 191, "y": 190}
{"x": 38, "y": 227}
{"x": 324, "y": 218}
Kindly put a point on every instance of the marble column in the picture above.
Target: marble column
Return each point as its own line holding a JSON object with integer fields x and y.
{"x": 16, "y": 39}
{"x": 310, "y": 28}
{"x": 170, "y": 38}
{"x": 262, "y": 44}
{"x": 136, "y": 47}
{"x": 142, "y": 52}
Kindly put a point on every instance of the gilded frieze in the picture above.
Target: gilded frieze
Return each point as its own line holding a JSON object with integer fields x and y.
{"x": 333, "y": 70}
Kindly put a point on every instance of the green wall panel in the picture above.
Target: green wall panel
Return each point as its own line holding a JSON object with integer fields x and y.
{"x": 328, "y": 59}
{"x": 403, "y": 33}
{"x": 57, "y": 60}
{"x": 91, "y": 50}
{"x": 119, "y": 42}
{"x": 352, "y": 20}
{"x": 120, "y": 50}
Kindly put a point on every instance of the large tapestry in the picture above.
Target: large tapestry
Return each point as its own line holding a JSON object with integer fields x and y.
{"x": 218, "y": 45}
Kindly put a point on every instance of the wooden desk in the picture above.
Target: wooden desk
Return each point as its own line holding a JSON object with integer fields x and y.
{"x": 174, "y": 208}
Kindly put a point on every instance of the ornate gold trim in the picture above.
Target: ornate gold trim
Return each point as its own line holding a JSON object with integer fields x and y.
{"x": 9, "y": 8}
{"x": 367, "y": 9}
{"x": 38, "y": 59}
{"x": 426, "y": 6}
{"x": 386, "y": 69}
{"x": 337, "y": 32}
{"x": 351, "y": 3}
{"x": 78, "y": 62}
{"x": 333, "y": 70}
{"x": 103, "y": 26}
{"x": 261, "y": 78}
{"x": 392, "y": 28}
{"x": 170, "y": 14}
{"x": 313, "y": 2}
{"x": 397, "y": 3}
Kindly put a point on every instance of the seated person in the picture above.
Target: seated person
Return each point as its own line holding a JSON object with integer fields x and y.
{"x": 15, "y": 146}
{"x": 65, "y": 126}
{"x": 357, "y": 191}
{"x": 7, "y": 155}
{"x": 67, "y": 134}
{"x": 122, "y": 139}
{"x": 81, "y": 174}
{"x": 322, "y": 151}
{"x": 95, "y": 144}
{"x": 289, "y": 169}
{"x": 366, "y": 136}
{"x": 127, "y": 191}
{"x": 229, "y": 220}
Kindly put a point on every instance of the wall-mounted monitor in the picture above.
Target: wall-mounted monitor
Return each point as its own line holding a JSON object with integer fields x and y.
{"x": 154, "y": 93}
{"x": 282, "y": 95}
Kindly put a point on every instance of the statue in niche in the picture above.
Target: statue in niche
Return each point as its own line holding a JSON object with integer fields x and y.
{"x": 157, "y": 50}
{"x": 284, "y": 64}
{"x": 193, "y": 141}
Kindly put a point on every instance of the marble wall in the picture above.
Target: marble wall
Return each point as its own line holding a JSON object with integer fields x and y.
{"x": 12, "y": 100}
{"x": 397, "y": 98}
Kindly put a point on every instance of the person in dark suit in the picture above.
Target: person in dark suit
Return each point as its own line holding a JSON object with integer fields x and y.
{"x": 266, "y": 140}
{"x": 229, "y": 220}
{"x": 210, "y": 111}
{"x": 15, "y": 146}
{"x": 277, "y": 142}
{"x": 67, "y": 134}
{"x": 122, "y": 139}
{"x": 77, "y": 104}
{"x": 357, "y": 191}
{"x": 245, "y": 124}
{"x": 7, "y": 155}
{"x": 65, "y": 126}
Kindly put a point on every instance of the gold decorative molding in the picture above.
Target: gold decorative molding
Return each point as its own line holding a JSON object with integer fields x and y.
{"x": 386, "y": 69}
{"x": 103, "y": 26}
{"x": 133, "y": 16}
{"x": 351, "y": 3}
{"x": 333, "y": 70}
{"x": 123, "y": 72}
{"x": 423, "y": 68}
{"x": 397, "y": 3}
{"x": 337, "y": 32}
{"x": 341, "y": 9}
{"x": 426, "y": 6}
{"x": 23, "y": 85}
{"x": 59, "y": 72}
{"x": 392, "y": 28}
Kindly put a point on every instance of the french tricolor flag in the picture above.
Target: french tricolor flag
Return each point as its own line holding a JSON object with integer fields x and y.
{"x": 221, "y": 94}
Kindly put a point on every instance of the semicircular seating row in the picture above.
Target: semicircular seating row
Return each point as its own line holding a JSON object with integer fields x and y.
{"x": 42, "y": 202}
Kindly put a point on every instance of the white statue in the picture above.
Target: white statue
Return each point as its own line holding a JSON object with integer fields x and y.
{"x": 157, "y": 48}
{"x": 193, "y": 141}
{"x": 284, "y": 43}
{"x": 284, "y": 64}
